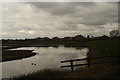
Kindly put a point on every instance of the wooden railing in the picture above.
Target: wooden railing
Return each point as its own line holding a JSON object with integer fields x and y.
{"x": 89, "y": 61}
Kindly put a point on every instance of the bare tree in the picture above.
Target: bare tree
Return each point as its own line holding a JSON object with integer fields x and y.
{"x": 114, "y": 33}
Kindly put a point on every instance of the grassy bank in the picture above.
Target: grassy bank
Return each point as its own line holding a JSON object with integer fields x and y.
{"x": 108, "y": 47}
{"x": 81, "y": 73}
{"x": 103, "y": 48}
{"x": 45, "y": 74}
{"x": 8, "y": 55}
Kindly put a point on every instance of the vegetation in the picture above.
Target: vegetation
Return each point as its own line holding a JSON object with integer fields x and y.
{"x": 9, "y": 55}
{"x": 109, "y": 47}
{"x": 78, "y": 40}
{"x": 45, "y": 74}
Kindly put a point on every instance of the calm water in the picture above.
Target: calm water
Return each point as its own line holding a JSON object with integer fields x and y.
{"x": 47, "y": 57}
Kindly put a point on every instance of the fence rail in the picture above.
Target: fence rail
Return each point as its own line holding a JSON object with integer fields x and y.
{"x": 88, "y": 61}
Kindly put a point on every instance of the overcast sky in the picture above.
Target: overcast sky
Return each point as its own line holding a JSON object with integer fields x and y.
{"x": 50, "y": 19}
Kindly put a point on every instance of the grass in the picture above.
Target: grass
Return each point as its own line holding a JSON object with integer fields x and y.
{"x": 101, "y": 48}
{"x": 80, "y": 73}
{"x": 105, "y": 47}
{"x": 45, "y": 74}
{"x": 8, "y": 55}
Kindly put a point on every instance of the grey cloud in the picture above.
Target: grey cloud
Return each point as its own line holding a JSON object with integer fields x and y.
{"x": 61, "y": 8}
{"x": 59, "y": 18}
{"x": 97, "y": 15}
{"x": 69, "y": 27}
{"x": 44, "y": 5}
{"x": 92, "y": 13}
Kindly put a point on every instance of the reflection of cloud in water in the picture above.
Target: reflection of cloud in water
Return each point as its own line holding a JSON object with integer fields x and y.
{"x": 68, "y": 55}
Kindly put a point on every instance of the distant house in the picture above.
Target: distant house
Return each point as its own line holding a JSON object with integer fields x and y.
{"x": 115, "y": 33}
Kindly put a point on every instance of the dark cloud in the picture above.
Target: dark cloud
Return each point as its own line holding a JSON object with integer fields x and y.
{"x": 90, "y": 13}
{"x": 61, "y": 8}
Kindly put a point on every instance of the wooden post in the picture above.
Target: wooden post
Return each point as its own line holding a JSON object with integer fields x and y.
{"x": 118, "y": 59}
{"x": 71, "y": 63}
{"x": 88, "y": 60}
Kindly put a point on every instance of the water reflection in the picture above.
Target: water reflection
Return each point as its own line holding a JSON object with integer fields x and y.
{"x": 48, "y": 57}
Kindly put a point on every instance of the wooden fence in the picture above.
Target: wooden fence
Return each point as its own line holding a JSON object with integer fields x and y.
{"x": 90, "y": 63}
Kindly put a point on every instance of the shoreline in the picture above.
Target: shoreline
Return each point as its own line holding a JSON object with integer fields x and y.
{"x": 10, "y": 55}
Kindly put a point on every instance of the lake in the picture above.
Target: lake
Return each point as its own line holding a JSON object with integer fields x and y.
{"x": 47, "y": 58}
